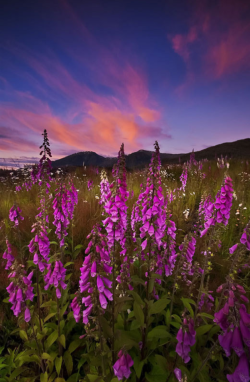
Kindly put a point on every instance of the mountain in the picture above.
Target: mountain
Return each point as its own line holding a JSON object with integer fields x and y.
{"x": 141, "y": 158}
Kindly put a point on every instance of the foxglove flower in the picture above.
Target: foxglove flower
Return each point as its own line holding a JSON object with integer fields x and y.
{"x": 15, "y": 215}
{"x": 55, "y": 277}
{"x": 186, "y": 339}
{"x": 94, "y": 286}
{"x": 233, "y": 320}
{"x": 178, "y": 375}
{"x": 20, "y": 290}
{"x": 241, "y": 373}
{"x": 245, "y": 238}
{"x": 63, "y": 206}
{"x": 90, "y": 184}
{"x": 7, "y": 255}
{"x": 123, "y": 365}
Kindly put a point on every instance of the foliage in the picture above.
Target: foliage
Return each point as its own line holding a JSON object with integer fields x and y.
{"x": 162, "y": 290}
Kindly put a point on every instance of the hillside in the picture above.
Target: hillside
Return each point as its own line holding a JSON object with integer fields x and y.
{"x": 141, "y": 158}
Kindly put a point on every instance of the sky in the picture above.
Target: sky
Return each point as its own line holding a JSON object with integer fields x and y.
{"x": 99, "y": 73}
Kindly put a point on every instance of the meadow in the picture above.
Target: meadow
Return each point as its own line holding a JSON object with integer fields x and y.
{"x": 110, "y": 275}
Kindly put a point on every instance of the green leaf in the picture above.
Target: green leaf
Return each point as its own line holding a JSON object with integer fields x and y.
{"x": 161, "y": 361}
{"x": 203, "y": 329}
{"x": 23, "y": 335}
{"x": 138, "y": 366}
{"x": 105, "y": 325}
{"x": 59, "y": 380}
{"x": 159, "y": 332}
{"x": 51, "y": 339}
{"x": 177, "y": 318}
{"x": 190, "y": 301}
{"x": 94, "y": 378}
{"x": 68, "y": 263}
{"x": 47, "y": 356}
{"x": 134, "y": 325}
{"x": 62, "y": 311}
{"x": 156, "y": 374}
{"x": 187, "y": 305}
{"x": 175, "y": 324}
{"x": 137, "y": 298}
{"x": 53, "y": 242}
{"x": 49, "y": 316}
{"x": 139, "y": 313}
{"x": 79, "y": 246}
{"x": 151, "y": 285}
{"x": 48, "y": 304}
{"x": 68, "y": 360}
{"x": 73, "y": 378}
{"x": 44, "y": 377}
{"x": 52, "y": 377}
{"x": 206, "y": 315}
{"x": 167, "y": 317}
{"x": 62, "y": 340}
{"x": 137, "y": 280}
{"x": 16, "y": 373}
{"x": 58, "y": 364}
{"x": 74, "y": 345}
{"x": 159, "y": 306}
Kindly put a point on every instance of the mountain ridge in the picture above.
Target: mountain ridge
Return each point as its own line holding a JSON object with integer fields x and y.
{"x": 141, "y": 158}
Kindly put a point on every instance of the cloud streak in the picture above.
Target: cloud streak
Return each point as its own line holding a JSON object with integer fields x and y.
{"x": 220, "y": 33}
{"x": 88, "y": 120}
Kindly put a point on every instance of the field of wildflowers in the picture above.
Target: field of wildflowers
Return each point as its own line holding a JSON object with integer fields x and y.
{"x": 114, "y": 276}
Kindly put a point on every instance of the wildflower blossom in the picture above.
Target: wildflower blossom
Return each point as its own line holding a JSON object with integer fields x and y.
{"x": 241, "y": 373}
{"x": 7, "y": 255}
{"x": 186, "y": 339}
{"x": 15, "y": 215}
{"x": 20, "y": 290}
{"x": 93, "y": 280}
{"x": 123, "y": 365}
{"x": 55, "y": 277}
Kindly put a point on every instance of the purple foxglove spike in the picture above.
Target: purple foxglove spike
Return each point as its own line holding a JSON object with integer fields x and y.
{"x": 17, "y": 308}
{"x": 27, "y": 315}
{"x": 100, "y": 284}
{"x": 93, "y": 269}
{"x": 180, "y": 335}
{"x": 58, "y": 293}
{"x": 225, "y": 341}
{"x": 143, "y": 245}
{"x": 151, "y": 230}
{"x": 244, "y": 298}
{"x": 108, "y": 294}
{"x": 245, "y": 333}
{"x": 12, "y": 298}
{"x": 87, "y": 300}
{"x": 244, "y": 315}
{"x": 107, "y": 268}
{"x": 11, "y": 287}
{"x": 241, "y": 373}
{"x": 19, "y": 295}
{"x": 233, "y": 248}
{"x": 122, "y": 366}
{"x": 107, "y": 282}
{"x": 103, "y": 301}
{"x": 63, "y": 285}
{"x": 178, "y": 375}
{"x": 236, "y": 343}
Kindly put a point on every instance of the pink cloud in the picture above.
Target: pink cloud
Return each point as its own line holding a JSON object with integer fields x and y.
{"x": 221, "y": 31}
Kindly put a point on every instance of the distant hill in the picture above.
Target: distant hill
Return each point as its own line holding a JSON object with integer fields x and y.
{"x": 141, "y": 158}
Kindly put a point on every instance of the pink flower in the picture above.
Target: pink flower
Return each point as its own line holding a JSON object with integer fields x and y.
{"x": 122, "y": 365}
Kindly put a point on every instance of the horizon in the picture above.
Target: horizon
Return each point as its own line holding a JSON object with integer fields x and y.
{"x": 95, "y": 75}
{"x": 7, "y": 163}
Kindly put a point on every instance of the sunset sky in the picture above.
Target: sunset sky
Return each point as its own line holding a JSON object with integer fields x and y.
{"x": 98, "y": 73}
